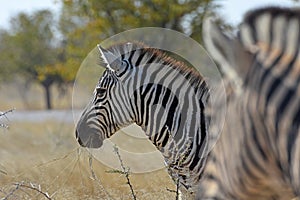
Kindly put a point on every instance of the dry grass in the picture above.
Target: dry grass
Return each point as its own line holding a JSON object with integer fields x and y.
{"x": 44, "y": 158}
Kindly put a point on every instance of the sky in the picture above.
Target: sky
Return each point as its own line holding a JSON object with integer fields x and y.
{"x": 233, "y": 10}
{"x": 10, "y": 8}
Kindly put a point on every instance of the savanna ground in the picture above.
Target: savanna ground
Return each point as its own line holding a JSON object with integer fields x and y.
{"x": 40, "y": 157}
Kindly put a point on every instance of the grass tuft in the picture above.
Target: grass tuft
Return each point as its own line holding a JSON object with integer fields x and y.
{"x": 47, "y": 154}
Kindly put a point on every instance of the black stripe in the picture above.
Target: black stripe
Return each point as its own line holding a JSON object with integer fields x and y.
{"x": 159, "y": 136}
{"x": 171, "y": 111}
{"x": 125, "y": 70}
{"x": 111, "y": 119}
{"x": 133, "y": 108}
{"x": 293, "y": 134}
{"x": 166, "y": 138}
{"x": 203, "y": 124}
{"x": 138, "y": 116}
{"x": 142, "y": 54}
{"x": 131, "y": 55}
{"x": 254, "y": 135}
{"x": 166, "y": 97}
{"x": 249, "y": 149}
{"x": 143, "y": 96}
{"x": 152, "y": 58}
{"x": 196, "y": 157}
{"x": 157, "y": 94}
{"x": 280, "y": 109}
{"x": 150, "y": 96}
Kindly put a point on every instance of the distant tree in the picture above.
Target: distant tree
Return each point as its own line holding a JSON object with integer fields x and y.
{"x": 29, "y": 48}
{"x": 6, "y": 55}
{"x": 86, "y": 23}
{"x": 114, "y": 16}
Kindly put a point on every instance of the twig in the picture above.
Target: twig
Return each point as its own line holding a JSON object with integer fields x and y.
{"x": 170, "y": 190}
{"x": 2, "y": 191}
{"x": 33, "y": 187}
{"x": 57, "y": 159}
{"x": 124, "y": 171}
{"x": 95, "y": 177}
{"x": 3, "y": 172}
{"x": 176, "y": 167}
{"x": 3, "y": 114}
{"x": 11, "y": 193}
{"x": 175, "y": 179}
{"x": 177, "y": 192}
{"x": 177, "y": 189}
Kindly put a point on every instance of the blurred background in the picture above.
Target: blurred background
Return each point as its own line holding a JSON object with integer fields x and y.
{"x": 42, "y": 45}
{"x": 44, "y": 42}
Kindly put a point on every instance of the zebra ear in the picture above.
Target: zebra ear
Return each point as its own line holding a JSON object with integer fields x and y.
{"x": 218, "y": 45}
{"x": 227, "y": 52}
{"x": 108, "y": 59}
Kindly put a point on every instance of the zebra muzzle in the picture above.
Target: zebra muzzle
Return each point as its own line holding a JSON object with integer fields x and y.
{"x": 88, "y": 138}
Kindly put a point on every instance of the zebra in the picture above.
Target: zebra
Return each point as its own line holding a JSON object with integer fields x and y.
{"x": 163, "y": 96}
{"x": 258, "y": 153}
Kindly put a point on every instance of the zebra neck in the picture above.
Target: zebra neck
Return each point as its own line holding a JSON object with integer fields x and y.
{"x": 173, "y": 132}
{"x": 173, "y": 117}
{"x": 156, "y": 112}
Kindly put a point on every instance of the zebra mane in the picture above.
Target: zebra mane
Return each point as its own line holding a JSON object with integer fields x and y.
{"x": 274, "y": 11}
{"x": 159, "y": 56}
{"x": 260, "y": 26}
{"x": 273, "y": 36}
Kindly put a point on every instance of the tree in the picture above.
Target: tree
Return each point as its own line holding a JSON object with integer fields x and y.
{"x": 6, "y": 54}
{"x": 86, "y": 23}
{"x": 114, "y": 16}
{"x": 30, "y": 49}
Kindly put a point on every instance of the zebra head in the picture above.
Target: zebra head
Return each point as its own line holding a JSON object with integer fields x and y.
{"x": 108, "y": 110}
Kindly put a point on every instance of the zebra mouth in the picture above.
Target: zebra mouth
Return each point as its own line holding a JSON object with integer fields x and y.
{"x": 89, "y": 139}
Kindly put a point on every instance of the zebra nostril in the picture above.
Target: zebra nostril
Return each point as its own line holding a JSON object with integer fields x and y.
{"x": 76, "y": 133}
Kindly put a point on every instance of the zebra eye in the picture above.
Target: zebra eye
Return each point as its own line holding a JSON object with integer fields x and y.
{"x": 100, "y": 91}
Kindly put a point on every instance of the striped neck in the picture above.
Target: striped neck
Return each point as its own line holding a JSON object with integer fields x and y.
{"x": 168, "y": 100}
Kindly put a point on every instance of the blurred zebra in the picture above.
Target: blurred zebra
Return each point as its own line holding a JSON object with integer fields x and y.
{"x": 166, "y": 98}
{"x": 258, "y": 153}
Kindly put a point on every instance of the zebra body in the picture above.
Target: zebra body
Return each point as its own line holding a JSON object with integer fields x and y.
{"x": 258, "y": 153}
{"x": 167, "y": 99}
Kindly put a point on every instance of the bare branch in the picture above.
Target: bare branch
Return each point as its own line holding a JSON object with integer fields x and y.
{"x": 125, "y": 171}
{"x": 11, "y": 193}
{"x": 95, "y": 177}
{"x": 3, "y": 114}
{"x": 8, "y": 111}
{"x": 34, "y": 187}
{"x": 175, "y": 167}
